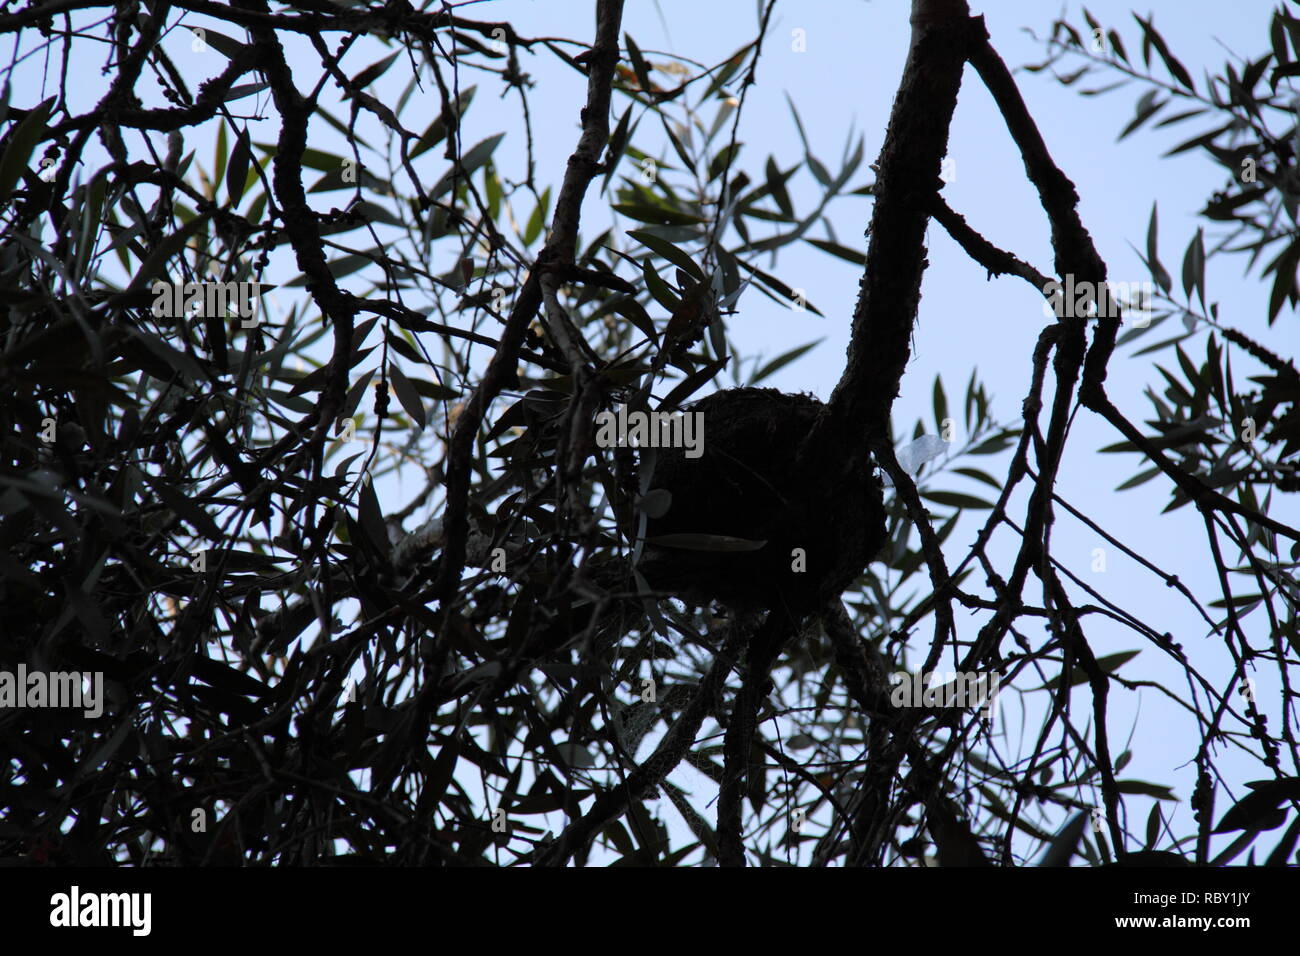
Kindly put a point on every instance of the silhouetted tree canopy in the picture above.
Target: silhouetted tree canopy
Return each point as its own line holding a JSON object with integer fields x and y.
{"x": 223, "y": 342}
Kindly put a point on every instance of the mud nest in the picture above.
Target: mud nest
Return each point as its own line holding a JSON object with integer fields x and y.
{"x": 815, "y": 504}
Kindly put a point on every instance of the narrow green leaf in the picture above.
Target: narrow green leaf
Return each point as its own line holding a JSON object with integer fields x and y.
{"x": 1142, "y": 788}
{"x": 978, "y": 475}
{"x": 26, "y": 134}
{"x": 781, "y": 361}
{"x": 223, "y": 44}
{"x": 843, "y": 252}
{"x": 776, "y": 186}
{"x": 237, "y": 171}
{"x": 1146, "y": 107}
{"x": 940, "y": 404}
{"x": 658, "y": 288}
{"x": 639, "y": 65}
{"x": 705, "y": 542}
{"x": 374, "y": 71}
{"x": 956, "y": 499}
{"x": 407, "y": 395}
{"x": 1176, "y": 69}
{"x": 538, "y": 219}
{"x": 1108, "y": 664}
{"x": 1159, "y": 274}
{"x": 656, "y": 215}
{"x": 669, "y": 251}
{"x": 1194, "y": 267}
{"x": 437, "y": 130}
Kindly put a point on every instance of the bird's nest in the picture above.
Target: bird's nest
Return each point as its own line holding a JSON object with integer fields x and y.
{"x": 764, "y": 518}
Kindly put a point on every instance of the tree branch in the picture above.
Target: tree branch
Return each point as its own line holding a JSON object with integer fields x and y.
{"x": 906, "y": 185}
